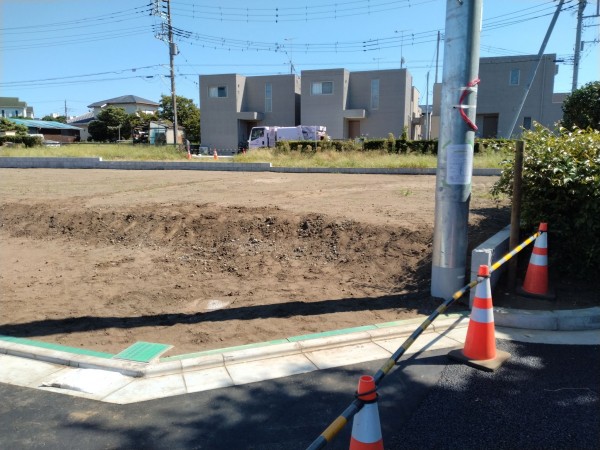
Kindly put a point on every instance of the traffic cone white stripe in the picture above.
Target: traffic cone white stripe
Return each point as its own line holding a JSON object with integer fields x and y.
{"x": 538, "y": 260}
{"x": 366, "y": 427}
{"x": 482, "y": 315}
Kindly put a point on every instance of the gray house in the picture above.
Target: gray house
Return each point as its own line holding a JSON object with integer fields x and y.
{"x": 503, "y": 82}
{"x": 349, "y": 104}
{"x": 352, "y": 104}
{"x": 232, "y": 104}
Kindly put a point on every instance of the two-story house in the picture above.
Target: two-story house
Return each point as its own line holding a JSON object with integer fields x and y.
{"x": 349, "y": 104}
{"x": 500, "y": 92}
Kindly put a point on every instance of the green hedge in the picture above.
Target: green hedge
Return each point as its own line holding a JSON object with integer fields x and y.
{"x": 399, "y": 146}
{"x": 28, "y": 141}
{"x": 561, "y": 186}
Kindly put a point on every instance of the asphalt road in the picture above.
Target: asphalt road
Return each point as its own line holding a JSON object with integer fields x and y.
{"x": 544, "y": 397}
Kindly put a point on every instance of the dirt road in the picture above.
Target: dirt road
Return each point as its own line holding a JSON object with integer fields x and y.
{"x": 201, "y": 260}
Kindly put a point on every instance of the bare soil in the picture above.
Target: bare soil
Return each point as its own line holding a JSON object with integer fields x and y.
{"x": 201, "y": 260}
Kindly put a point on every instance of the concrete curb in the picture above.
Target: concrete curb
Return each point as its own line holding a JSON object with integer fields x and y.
{"x": 563, "y": 320}
{"x": 220, "y": 358}
{"x": 556, "y": 320}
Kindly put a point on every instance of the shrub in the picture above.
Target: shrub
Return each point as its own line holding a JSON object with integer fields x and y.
{"x": 391, "y": 143}
{"x": 28, "y": 141}
{"x": 561, "y": 186}
{"x": 374, "y": 144}
{"x": 283, "y": 147}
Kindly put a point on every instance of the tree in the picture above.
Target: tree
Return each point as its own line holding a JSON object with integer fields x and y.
{"x": 188, "y": 115}
{"x": 582, "y": 108}
{"x": 9, "y": 125}
{"x": 61, "y": 119}
{"x": 111, "y": 124}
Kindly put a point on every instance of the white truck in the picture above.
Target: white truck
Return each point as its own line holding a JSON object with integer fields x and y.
{"x": 269, "y": 136}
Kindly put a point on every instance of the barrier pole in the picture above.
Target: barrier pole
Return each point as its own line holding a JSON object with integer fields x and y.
{"x": 340, "y": 422}
{"x": 515, "y": 213}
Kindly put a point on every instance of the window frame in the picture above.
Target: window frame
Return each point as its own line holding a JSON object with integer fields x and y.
{"x": 217, "y": 90}
{"x": 375, "y": 97}
{"x": 268, "y": 97}
{"x": 511, "y": 77}
{"x": 313, "y": 91}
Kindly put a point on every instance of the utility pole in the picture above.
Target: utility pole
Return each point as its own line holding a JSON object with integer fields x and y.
{"x": 580, "y": 10}
{"x": 291, "y": 54}
{"x": 166, "y": 35}
{"x": 533, "y": 70}
{"x": 427, "y": 115}
{"x": 437, "y": 57}
{"x": 66, "y": 117}
{"x": 455, "y": 147}
{"x": 172, "y": 53}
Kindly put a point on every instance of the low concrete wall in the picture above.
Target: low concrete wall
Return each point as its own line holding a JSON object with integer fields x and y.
{"x": 97, "y": 163}
{"x": 488, "y": 253}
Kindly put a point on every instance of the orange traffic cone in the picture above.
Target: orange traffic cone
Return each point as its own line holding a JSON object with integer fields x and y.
{"x": 536, "y": 278}
{"x": 480, "y": 344}
{"x": 215, "y": 154}
{"x": 366, "y": 428}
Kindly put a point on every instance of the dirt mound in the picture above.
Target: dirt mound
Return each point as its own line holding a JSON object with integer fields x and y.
{"x": 182, "y": 262}
{"x": 204, "y": 260}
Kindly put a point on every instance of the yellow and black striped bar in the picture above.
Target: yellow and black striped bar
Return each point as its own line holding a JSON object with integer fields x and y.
{"x": 340, "y": 422}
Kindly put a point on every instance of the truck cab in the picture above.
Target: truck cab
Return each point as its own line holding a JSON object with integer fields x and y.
{"x": 262, "y": 137}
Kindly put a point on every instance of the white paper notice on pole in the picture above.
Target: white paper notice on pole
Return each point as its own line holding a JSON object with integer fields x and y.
{"x": 459, "y": 164}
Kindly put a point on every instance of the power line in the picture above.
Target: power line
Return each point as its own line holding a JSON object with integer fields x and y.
{"x": 113, "y": 16}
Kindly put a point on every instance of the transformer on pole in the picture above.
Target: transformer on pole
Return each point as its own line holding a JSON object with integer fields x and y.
{"x": 455, "y": 145}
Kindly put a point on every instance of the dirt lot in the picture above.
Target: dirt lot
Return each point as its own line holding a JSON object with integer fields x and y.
{"x": 201, "y": 260}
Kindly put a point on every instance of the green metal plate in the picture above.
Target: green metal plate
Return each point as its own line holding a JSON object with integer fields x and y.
{"x": 143, "y": 351}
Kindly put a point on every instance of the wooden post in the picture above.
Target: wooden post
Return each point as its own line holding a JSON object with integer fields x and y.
{"x": 515, "y": 214}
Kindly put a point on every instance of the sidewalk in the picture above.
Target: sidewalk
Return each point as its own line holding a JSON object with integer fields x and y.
{"x": 128, "y": 378}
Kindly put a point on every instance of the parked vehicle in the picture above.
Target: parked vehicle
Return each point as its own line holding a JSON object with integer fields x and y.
{"x": 269, "y": 136}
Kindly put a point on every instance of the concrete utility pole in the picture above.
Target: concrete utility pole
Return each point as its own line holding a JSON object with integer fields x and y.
{"x": 427, "y": 114}
{"x": 455, "y": 147}
{"x": 580, "y": 10}
{"x": 172, "y": 52}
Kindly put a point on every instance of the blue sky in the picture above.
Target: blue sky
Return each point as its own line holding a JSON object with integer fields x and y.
{"x": 83, "y": 51}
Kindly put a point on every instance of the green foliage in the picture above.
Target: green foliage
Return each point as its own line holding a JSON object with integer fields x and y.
{"x": 582, "y": 108}
{"x": 391, "y": 143}
{"x": 27, "y": 140}
{"x": 111, "y": 124}
{"x": 188, "y": 115}
{"x": 9, "y": 125}
{"x": 61, "y": 119}
{"x": 561, "y": 186}
{"x": 374, "y": 144}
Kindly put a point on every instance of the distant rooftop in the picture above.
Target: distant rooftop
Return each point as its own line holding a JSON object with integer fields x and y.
{"x": 124, "y": 99}
{"x": 45, "y": 124}
{"x": 82, "y": 119}
{"x": 12, "y": 102}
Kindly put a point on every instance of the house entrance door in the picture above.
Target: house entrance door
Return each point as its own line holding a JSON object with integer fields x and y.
{"x": 353, "y": 129}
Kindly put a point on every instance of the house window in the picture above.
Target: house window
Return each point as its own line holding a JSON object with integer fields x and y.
{"x": 268, "y": 97}
{"x": 375, "y": 94}
{"x": 515, "y": 74}
{"x": 322, "y": 88}
{"x": 527, "y": 123}
{"x": 217, "y": 91}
